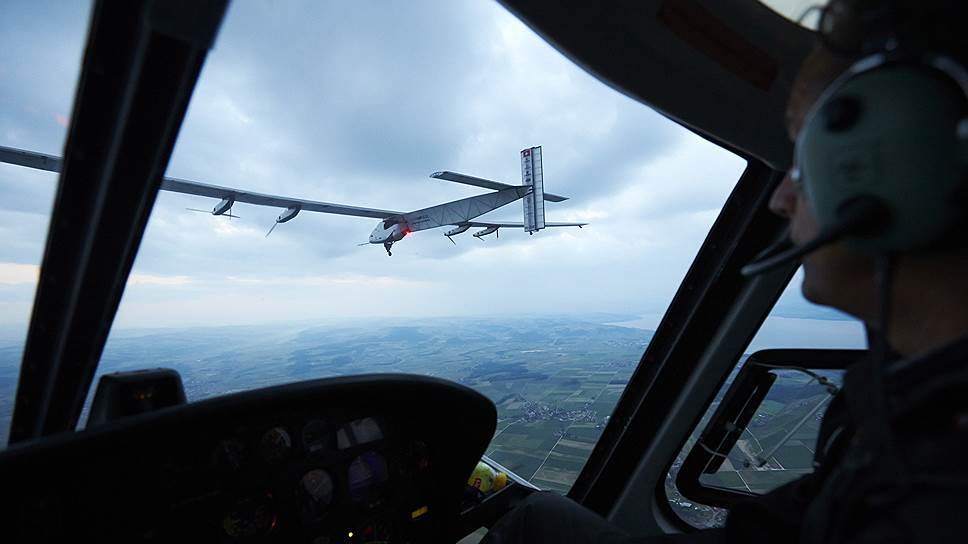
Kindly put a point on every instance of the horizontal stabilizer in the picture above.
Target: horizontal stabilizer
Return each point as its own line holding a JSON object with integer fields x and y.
{"x": 515, "y": 225}
{"x": 486, "y": 183}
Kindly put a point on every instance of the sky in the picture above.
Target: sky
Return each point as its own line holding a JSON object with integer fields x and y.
{"x": 357, "y": 103}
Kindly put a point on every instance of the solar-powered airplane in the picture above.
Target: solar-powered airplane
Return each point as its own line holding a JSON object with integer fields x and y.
{"x": 393, "y": 225}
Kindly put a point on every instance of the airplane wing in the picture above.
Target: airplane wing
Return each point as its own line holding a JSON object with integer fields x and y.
{"x": 518, "y": 225}
{"x": 51, "y": 163}
{"x": 30, "y": 159}
{"x": 461, "y": 211}
{"x": 214, "y": 191}
{"x": 458, "y": 212}
{"x": 486, "y": 183}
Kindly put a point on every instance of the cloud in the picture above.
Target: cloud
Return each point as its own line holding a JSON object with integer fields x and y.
{"x": 25, "y": 191}
{"x": 29, "y": 274}
{"x": 155, "y": 279}
{"x": 19, "y": 274}
{"x": 42, "y": 44}
{"x": 326, "y": 281}
{"x": 357, "y": 103}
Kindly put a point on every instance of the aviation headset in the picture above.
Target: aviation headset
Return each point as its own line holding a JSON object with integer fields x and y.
{"x": 883, "y": 154}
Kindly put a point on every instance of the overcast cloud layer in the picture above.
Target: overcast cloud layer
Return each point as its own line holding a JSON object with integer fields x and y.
{"x": 357, "y": 103}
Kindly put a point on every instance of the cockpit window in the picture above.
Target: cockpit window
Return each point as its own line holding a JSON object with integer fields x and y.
{"x": 778, "y": 444}
{"x": 355, "y": 105}
{"x": 41, "y": 44}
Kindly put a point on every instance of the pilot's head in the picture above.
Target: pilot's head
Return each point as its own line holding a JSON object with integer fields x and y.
{"x": 834, "y": 275}
{"x": 839, "y": 274}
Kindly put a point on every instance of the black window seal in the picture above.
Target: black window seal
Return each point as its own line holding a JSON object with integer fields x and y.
{"x": 710, "y": 288}
{"x": 746, "y": 393}
{"x": 141, "y": 62}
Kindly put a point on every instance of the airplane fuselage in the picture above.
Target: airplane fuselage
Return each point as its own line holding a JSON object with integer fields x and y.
{"x": 388, "y": 233}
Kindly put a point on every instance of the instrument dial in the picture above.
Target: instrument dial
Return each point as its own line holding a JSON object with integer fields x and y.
{"x": 366, "y": 475}
{"x": 317, "y": 437}
{"x": 229, "y": 455}
{"x": 275, "y": 445}
{"x": 249, "y": 517}
{"x": 318, "y": 486}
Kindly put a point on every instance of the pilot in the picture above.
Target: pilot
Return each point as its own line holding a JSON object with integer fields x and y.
{"x": 891, "y": 455}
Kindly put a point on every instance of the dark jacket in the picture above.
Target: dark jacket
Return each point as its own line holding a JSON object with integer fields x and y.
{"x": 891, "y": 461}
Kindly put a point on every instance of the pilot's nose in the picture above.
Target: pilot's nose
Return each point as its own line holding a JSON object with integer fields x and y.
{"x": 783, "y": 201}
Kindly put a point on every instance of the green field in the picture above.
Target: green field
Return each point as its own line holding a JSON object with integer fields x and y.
{"x": 554, "y": 380}
{"x": 547, "y": 433}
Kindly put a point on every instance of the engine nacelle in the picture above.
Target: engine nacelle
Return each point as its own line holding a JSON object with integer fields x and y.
{"x": 224, "y": 206}
{"x": 288, "y": 215}
{"x": 457, "y": 230}
{"x": 487, "y": 231}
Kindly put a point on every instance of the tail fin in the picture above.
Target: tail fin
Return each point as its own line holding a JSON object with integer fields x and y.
{"x": 533, "y": 175}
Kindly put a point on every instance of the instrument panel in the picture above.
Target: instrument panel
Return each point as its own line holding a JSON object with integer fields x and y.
{"x": 366, "y": 459}
{"x": 325, "y": 480}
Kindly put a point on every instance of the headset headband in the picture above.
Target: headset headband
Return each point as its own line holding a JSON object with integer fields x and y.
{"x": 949, "y": 67}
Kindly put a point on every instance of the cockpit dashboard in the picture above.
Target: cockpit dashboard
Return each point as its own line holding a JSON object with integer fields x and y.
{"x": 380, "y": 458}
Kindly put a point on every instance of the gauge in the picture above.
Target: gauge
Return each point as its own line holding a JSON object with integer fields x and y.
{"x": 316, "y": 490}
{"x": 359, "y": 432}
{"x": 275, "y": 445}
{"x": 317, "y": 436}
{"x": 229, "y": 455}
{"x": 318, "y": 486}
{"x": 365, "y": 476}
{"x": 249, "y": 517}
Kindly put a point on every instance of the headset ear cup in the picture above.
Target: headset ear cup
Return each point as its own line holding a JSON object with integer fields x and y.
{"x": 841, "y": 113}
{"x": 891, "y": 133}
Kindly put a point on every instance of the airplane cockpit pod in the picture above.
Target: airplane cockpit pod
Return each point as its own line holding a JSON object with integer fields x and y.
{"x": 381, "y": 233}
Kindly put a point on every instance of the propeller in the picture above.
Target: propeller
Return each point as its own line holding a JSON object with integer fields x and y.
{"x": 227, "y": 214}
{"x": 271, "y": 229}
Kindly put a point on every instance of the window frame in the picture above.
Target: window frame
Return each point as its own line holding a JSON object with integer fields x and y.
{"x": 740, "y": 402}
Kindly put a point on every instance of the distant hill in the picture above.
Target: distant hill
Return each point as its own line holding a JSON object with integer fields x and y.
{"x": 481, "y": 352}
